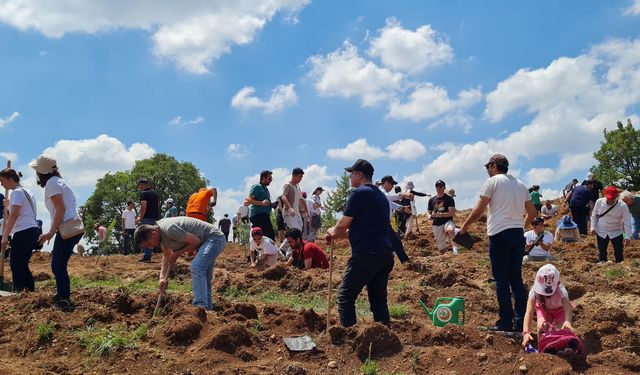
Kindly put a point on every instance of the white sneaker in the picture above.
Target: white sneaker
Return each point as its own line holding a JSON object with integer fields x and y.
{"x": 602, "y": 263}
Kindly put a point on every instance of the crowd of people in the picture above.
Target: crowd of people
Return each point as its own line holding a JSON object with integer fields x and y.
{"x": 377, "y": 218}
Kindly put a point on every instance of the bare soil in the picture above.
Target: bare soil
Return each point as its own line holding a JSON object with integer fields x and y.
{"x": 243, "y": 334}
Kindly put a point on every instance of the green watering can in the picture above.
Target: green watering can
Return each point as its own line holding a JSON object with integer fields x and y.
{"x": 446, "y": 311}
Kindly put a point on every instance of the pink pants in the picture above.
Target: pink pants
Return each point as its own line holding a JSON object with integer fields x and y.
{"x": 555, "y": 316}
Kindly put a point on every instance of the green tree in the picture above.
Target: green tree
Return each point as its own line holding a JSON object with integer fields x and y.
{"x": 167, "y": 176}
{"x": 619, "y": 157}
{"x": 337, "y": 200}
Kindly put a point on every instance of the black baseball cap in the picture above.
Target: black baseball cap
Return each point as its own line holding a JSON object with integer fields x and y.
{"x": 361, "y": 165}
{"x": 389, "y": 179}
{"x": 265, "y": 173}
{"x": 440, "y": 182}
{"x": 143, "y": 180}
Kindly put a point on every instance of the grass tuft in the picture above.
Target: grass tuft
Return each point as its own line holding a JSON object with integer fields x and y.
{"x": 45, "y": 331}
{"x": 398, "y": 311}
{"x": 106, "y": 341}
{"x": 369, "y": 367}
{"x": 615, "y": 273}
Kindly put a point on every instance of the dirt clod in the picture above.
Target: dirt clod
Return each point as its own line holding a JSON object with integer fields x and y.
{"x": 183, "y": 330}
{"x": 247, "y": 310}
{"x": 229, "y": 338}
{"x": 376, "y": 340}
{"x": 275, "y": 273}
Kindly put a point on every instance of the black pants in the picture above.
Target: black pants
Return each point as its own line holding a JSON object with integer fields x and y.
{"x": 62, "y": 250}
{"x": 264, "y": 222}
{"x": 580, "y": 216}
{"x": 618, "y": 244}
{"x": 373, "y": 272}
{"x": 129, "y": 246}
{"x": 22, "y": 246}
{"x": 226, "y": 236}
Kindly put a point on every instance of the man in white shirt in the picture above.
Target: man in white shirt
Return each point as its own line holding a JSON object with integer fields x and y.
{"x": 538, "y": 243}
{"x": 128, "y": 227}
{"x": 549, "y": 210}
{"x": 610, "y": 219}
{"x": 387, "y": 184}
{"x": 505, "y": 198}
{"x": 295, "y": 205}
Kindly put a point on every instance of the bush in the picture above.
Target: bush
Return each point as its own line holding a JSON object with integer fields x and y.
{"x": 398, "y": 311}
{"x": 105, "y": 341}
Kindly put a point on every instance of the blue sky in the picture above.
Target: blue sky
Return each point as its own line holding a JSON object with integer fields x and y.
{"x": 424, "y": 89}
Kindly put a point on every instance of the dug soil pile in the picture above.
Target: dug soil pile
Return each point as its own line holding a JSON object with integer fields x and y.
{"x": 113, "y": 331}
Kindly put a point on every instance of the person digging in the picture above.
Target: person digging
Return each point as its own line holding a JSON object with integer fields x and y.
{"x": 180, "y": 235}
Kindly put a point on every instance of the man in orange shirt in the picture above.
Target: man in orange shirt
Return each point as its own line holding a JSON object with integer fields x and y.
{"x": 199, "y": 203}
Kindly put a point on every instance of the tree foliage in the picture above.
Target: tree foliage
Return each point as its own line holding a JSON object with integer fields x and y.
{"x": 337, "y": 200}
{"x": 167, "y": 176}
{"x": 619, "y": 157}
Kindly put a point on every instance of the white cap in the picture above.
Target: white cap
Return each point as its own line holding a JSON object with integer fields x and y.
{"x": 589, "y": 176}
{"x": 409, "y": 185}
{"x": 44, "y": 164}
{"x": 169, "y": 200}
{"x": 547, "y": 280}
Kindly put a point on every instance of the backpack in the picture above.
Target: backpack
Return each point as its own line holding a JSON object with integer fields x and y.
{"x": 555, "y": 340}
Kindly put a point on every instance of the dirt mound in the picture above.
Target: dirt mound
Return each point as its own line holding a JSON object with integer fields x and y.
{"x": 442, "y": 278}
{"x": 626, "y": 360}
{"x": 124, "y": 303}
{"x": 450, "y": 335}
{"x": 575, "y": 290}
{"x": 182, "y": 330}
{"x": 247, "y": 310}
{"x": 229, "y": 339}
{"x": 297, "y": 323}
{"x": 376, "y": 340}
{"x": 613, "y": 314}
{"x": 276, "y": 272}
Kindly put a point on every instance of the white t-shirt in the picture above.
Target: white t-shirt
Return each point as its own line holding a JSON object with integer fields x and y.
{"x": 538, "y": 251}
{"x": 56, "y": 186}
{"x": 309, "y": 205}
{"x": 553, "y": 211}
{"x": 27, "y": 215}
{"x": 316, "y": 200}
{"x": 267, "y": 246}
{"x": 506, "y": 209}
{"x": 129, "y": 217}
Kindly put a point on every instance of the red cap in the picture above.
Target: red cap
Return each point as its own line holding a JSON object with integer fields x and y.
{"x": 256, "y": 230}
{"x": 611, "y": 192}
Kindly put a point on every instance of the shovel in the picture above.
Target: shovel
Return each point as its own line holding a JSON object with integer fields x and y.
{"x": 5, "y": 286}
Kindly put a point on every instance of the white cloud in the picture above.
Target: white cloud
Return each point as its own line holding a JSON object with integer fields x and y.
{"x": 192, "y": 33}
{"x": 177, "y": 121}
{"x": 358, "y": 149}
{"x": 406, "y": 149}
{"x": 9, "y": 119}
{"x": 236, "y": 151}
{"x": 633, "y": 9}
{"x": 9, "y": 156}
{"x": 346, "y": 74}
{"x": 428, "y": 101}
{"x": 567, "y": 122}
{"x": 83, "y": 161}
{"x": 409, "y": 51}
{"x": 281, "y": 96}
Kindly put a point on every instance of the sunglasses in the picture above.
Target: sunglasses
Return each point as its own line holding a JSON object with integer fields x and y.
{"x": 488, "y": 165}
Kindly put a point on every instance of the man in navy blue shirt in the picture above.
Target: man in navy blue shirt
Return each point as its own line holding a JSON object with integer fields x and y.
{"x": 581, "y": 201}
{"x": 367, "y": 219}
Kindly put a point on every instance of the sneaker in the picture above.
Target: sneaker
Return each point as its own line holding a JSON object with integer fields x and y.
{"x": 144, "y": 260}
{"x": 602, "y": 263}
{"x": 499, "y": 328}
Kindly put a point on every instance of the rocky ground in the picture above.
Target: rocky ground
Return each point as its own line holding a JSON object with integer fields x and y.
{"x": 113, "y": 331}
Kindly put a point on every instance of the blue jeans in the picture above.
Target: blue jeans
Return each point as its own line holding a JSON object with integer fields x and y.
{"x": 22, "y": 245}
{"x": 636, "y": 227}
{"x": 506, "y": 250}
{"x": 148, "y": 252}
{"x": 373, "y": 272}
{"x": 62, "y": 250}
{"x": 202, "y": 270}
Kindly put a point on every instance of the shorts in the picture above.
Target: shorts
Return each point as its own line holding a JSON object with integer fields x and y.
{"x": 440, "y": 233}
